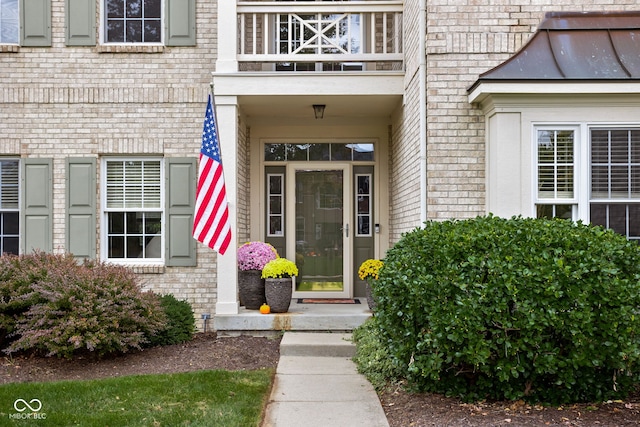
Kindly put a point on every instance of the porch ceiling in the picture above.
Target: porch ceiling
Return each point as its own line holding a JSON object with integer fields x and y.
{"x": 292, "y": 95}
{"x": 301, "y": 106}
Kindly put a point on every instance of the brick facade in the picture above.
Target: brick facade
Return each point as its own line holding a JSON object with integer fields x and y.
{"x": 465, "y": 39}
{"x": 59, "y": 102}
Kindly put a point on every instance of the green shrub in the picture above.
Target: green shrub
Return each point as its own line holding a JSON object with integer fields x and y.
{"x": 372, "y": 356}
{"x": 491, "y": 308}
{"x": 59, "y": 307}
{"x": 181, "y": 325}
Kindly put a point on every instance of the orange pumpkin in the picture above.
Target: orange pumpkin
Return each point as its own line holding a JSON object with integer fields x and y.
{"x": 265, "y": 309}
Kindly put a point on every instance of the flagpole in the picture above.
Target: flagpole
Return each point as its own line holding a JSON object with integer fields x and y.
{"x": 211, "y": 220}
{"x": 227, "y": 266}
{"x": 215, "y": 118}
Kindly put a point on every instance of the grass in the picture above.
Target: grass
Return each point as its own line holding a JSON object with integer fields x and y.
{"x": 204, "y": 398}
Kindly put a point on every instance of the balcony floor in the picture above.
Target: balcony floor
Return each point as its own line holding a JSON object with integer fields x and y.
{"x": 300, "y": 317}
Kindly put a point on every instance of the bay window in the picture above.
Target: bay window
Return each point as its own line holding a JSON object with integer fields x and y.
{"x": 610, "y": 195}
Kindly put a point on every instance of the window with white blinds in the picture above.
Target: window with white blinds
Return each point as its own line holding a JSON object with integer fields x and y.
{"x": 133, "y": 184}
{"x": 9, "y": 179}
{"x": 555, "y": 164}
{"x": 609, "y": 161}
{"x": 615, "y": 180}
{"x": 9, "y": 206}
{"x": 615, "y": 163}
{"x": 555, "y": 169}
{"x": 133, "y": 209}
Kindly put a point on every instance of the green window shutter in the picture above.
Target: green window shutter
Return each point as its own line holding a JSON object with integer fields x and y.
{"x": 181, "y": 23}
{"x": 180, "y": 196}
{"x": 81, "y": 207}
{"x": 81, "y": 22}
{"x": 36, "y": 22}
{"x": 37, "y": 212}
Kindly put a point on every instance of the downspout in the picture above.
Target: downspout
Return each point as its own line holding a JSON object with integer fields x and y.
{"x": 422, "y": 75}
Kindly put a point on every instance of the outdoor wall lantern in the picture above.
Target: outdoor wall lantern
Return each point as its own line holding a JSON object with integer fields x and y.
{"x": 318, "y": 110}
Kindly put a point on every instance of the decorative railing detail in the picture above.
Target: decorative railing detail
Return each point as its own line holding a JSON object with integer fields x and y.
{"x": 308, "y": 36}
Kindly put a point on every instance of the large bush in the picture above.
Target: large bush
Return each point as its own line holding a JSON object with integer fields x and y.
{"x": 51, "y": 304}
{"x": 544, "y": 310}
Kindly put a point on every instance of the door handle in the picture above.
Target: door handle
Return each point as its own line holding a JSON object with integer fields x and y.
{"x": 346, "y": 229}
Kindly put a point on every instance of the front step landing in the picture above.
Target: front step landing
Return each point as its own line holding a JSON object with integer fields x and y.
{"x": 299, "y": 318}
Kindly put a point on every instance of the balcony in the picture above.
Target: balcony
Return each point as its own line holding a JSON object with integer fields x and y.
{"x": 328, "y": 36}
{"x": 275, "y": 59}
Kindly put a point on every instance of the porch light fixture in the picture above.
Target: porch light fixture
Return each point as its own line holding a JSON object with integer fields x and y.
{"x": 318, "y": 110}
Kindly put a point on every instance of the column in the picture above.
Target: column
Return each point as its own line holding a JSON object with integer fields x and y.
{"x": 227, "y": 120}
{"x": 227, "y": 61}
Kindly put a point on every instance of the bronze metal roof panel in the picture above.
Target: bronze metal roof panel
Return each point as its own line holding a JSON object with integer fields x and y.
{"x": 577, "y": 46}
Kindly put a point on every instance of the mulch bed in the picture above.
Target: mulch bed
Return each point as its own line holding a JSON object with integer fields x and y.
{"x": 208, "y": 351}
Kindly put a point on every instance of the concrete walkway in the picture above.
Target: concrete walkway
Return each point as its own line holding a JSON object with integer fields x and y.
{"x": 317, "y": 385}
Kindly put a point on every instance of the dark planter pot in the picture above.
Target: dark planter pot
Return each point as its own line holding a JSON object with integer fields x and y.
{"x": 370, "y": 301}
{"x": 251, "y": 289}
{"x": 278, "y": 294}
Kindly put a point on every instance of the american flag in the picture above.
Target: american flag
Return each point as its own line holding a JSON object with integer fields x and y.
{"x": 211, "y": 223}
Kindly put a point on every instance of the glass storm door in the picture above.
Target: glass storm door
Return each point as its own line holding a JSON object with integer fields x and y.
{"x": 319, "y": 224}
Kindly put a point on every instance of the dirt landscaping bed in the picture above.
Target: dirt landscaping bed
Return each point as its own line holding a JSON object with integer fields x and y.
{"x": 208, "y": 351}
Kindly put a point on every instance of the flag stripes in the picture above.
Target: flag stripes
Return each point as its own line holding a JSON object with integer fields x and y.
{"x": 211, "y": 224}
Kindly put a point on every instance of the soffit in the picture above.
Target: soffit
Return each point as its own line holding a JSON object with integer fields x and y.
{"x": 291, "y": 96}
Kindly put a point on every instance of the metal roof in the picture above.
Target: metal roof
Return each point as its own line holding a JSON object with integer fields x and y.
{"x": 576, "y": 46}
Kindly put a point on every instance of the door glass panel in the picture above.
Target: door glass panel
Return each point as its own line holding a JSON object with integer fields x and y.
{"x": 275, "y": 213}
{"x": 363, "y": 205}
{"x": 319, "y": 235}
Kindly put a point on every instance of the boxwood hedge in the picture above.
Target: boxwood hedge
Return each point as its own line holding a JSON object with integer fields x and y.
{"x": 492, "y": 308}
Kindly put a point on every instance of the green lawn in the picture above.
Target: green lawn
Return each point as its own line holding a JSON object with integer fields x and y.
{"x": 205, "y": 398}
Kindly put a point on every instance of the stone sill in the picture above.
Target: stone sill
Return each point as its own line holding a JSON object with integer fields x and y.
{"x": 147, "y": 269}
{"x": 118, "y": 48}
{"x": 9, "y": 48}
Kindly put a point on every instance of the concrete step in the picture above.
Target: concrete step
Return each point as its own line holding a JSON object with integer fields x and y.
{"x": 322, "y": 344}
{"x": 300, "y": 318}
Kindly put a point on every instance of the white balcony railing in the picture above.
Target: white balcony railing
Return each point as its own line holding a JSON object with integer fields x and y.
{"x": 308, "y": 36}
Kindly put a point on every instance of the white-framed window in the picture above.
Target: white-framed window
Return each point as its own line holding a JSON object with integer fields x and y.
{"x": 9, "y": 22}
{"x": 555, "y": 154}
{"x": 609, "y": 168}
{"x": 323, "y": 152}
{"x": 614, "y": 199}
{"x": 9, "y": 206}
{"x": 133, "y": 21}
{"x": 133, "y": 200}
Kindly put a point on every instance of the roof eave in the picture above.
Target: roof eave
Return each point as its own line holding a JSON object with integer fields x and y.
{"x": 484, "y": 88}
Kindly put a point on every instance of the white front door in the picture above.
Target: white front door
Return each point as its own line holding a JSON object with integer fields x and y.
{"x": 318, "y": 229}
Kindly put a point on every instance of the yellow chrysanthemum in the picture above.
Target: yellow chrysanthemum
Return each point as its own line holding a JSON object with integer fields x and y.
{"x": 370, "y": 269}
